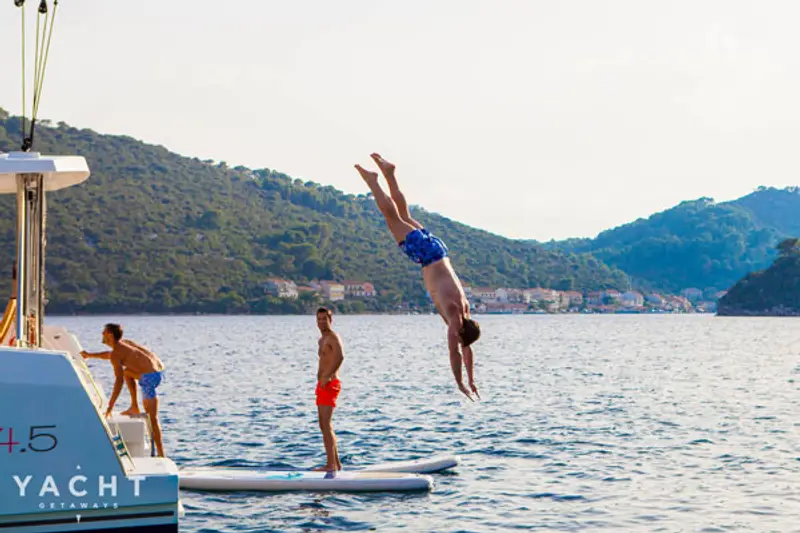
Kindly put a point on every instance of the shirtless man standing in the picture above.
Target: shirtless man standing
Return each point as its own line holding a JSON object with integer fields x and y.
{"x": 331, "y": 356}
{"x": 134, "y": 362}
{"x": 440, "y": 279}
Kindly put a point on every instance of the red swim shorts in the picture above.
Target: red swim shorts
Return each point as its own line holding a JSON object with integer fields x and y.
{"x": 328, "y": 394}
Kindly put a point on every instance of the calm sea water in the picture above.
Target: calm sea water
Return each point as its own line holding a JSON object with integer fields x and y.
{"x": 588, "y": 423}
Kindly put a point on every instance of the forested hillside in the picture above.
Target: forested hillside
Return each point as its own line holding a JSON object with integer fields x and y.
{"x": 152, "y": 231}
{"x": 700, "y": 243}
{"x": 774, "y": 291}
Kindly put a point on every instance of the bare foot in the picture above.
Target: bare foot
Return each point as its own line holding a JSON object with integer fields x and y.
{"x": 474, "y": 389}
{"x": 463, "y": 389}
{"x": 369, "y": 177}
{"x": 131, "y": 412}
{"x": 325, "y": 468}
{"x": 386, "y": 168}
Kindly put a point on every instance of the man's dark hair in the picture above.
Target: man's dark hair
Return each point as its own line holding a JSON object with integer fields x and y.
{"x": 115, "y": 330}
{"x": 326, "y": 311}
{"x": 470, "y": 332}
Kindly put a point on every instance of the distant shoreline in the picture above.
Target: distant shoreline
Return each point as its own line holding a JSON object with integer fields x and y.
{"x": 773, "y": 313}
{"x": 190, "y": 315}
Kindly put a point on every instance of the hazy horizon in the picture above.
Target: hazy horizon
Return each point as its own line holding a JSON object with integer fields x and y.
{"x": 530, "y": 120}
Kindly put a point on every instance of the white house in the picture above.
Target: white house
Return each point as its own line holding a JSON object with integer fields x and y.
{"x": 632, "y": 299}
{"x": 282, "y": 288}
{"x": 332, "y": 290}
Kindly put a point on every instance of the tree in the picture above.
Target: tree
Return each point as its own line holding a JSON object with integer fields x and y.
{"x": 209, "y": 220}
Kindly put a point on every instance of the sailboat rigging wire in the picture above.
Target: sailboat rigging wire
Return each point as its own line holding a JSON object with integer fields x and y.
{"x": 42, "y": 52}
{"x": 21, "y": 4}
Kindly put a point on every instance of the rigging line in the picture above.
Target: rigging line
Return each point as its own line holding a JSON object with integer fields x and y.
{"x": 36, "y": 61}
{"x": 38, "y": 65}
{"x": 43, "y": 54}
{"x": 21, "y": 4}
{"x": 46, "y": 53}
{"x": 40, "y": 60}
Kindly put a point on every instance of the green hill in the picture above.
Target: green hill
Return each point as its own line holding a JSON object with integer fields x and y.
{"x": 774, "y": 291}
{"x": 699, "y": 243}
{"x": 151, "y": 231}
{"x": 774, "y": 208}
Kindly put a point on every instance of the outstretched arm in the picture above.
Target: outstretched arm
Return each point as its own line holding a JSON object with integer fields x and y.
{"x": 98, "y": 355}
{"x": 469, "y": 361}
{"x": 453, "y": 341}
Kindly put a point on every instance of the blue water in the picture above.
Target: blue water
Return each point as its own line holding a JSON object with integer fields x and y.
{"x": 588, "y": 423}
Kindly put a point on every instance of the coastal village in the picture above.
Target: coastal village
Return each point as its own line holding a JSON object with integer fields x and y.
{"x": 503, "y": 300}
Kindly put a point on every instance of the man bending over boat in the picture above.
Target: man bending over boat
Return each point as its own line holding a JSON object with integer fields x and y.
{"x": 331, "y": 357}
{"x": 441, "y": 281}
{"x": 133, "y": 362}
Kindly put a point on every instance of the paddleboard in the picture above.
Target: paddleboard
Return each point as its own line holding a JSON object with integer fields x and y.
{"x": 233, "y": 479}
{"x": 431, "y": 465}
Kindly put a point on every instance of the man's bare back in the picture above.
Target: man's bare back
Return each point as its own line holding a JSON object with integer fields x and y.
{"x": 136, "y": 359}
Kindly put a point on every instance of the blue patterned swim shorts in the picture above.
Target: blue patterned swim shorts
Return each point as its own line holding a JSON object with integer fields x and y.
{"x": 148, "y": 383}
{"x": 423, "y": 247}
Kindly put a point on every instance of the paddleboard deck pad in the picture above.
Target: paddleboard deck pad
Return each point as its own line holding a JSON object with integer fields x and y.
{"x": 236, "y": 479}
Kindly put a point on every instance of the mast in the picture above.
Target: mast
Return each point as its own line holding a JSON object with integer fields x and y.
{"x": 30, "y": 259}
{"x": 30, "y": 176}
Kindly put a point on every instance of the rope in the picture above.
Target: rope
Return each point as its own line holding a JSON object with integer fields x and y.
{"x": 21, "y": 4}
{"x": 42, "y": 53}
{"x": 46, "y": 53}
{"x": 37, "y": 61}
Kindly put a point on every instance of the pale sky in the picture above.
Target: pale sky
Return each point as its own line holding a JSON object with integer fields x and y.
{"x": 530, "y": 118}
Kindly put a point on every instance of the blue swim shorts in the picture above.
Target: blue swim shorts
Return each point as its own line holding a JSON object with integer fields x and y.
{"x": 423, "y": 247}
{"x": 148, "y": 383}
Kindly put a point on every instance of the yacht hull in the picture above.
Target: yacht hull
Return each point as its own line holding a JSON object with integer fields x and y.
{"x": 72, "y": 526}
{"x": 63, "y": 466}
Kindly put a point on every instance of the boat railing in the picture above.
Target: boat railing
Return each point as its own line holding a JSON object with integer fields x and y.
{"x": 87, "y": 375}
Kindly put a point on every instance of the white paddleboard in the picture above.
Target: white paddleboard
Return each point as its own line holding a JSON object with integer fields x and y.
{"x": 418, "y": 466}
{"x": 231, "y": 479}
